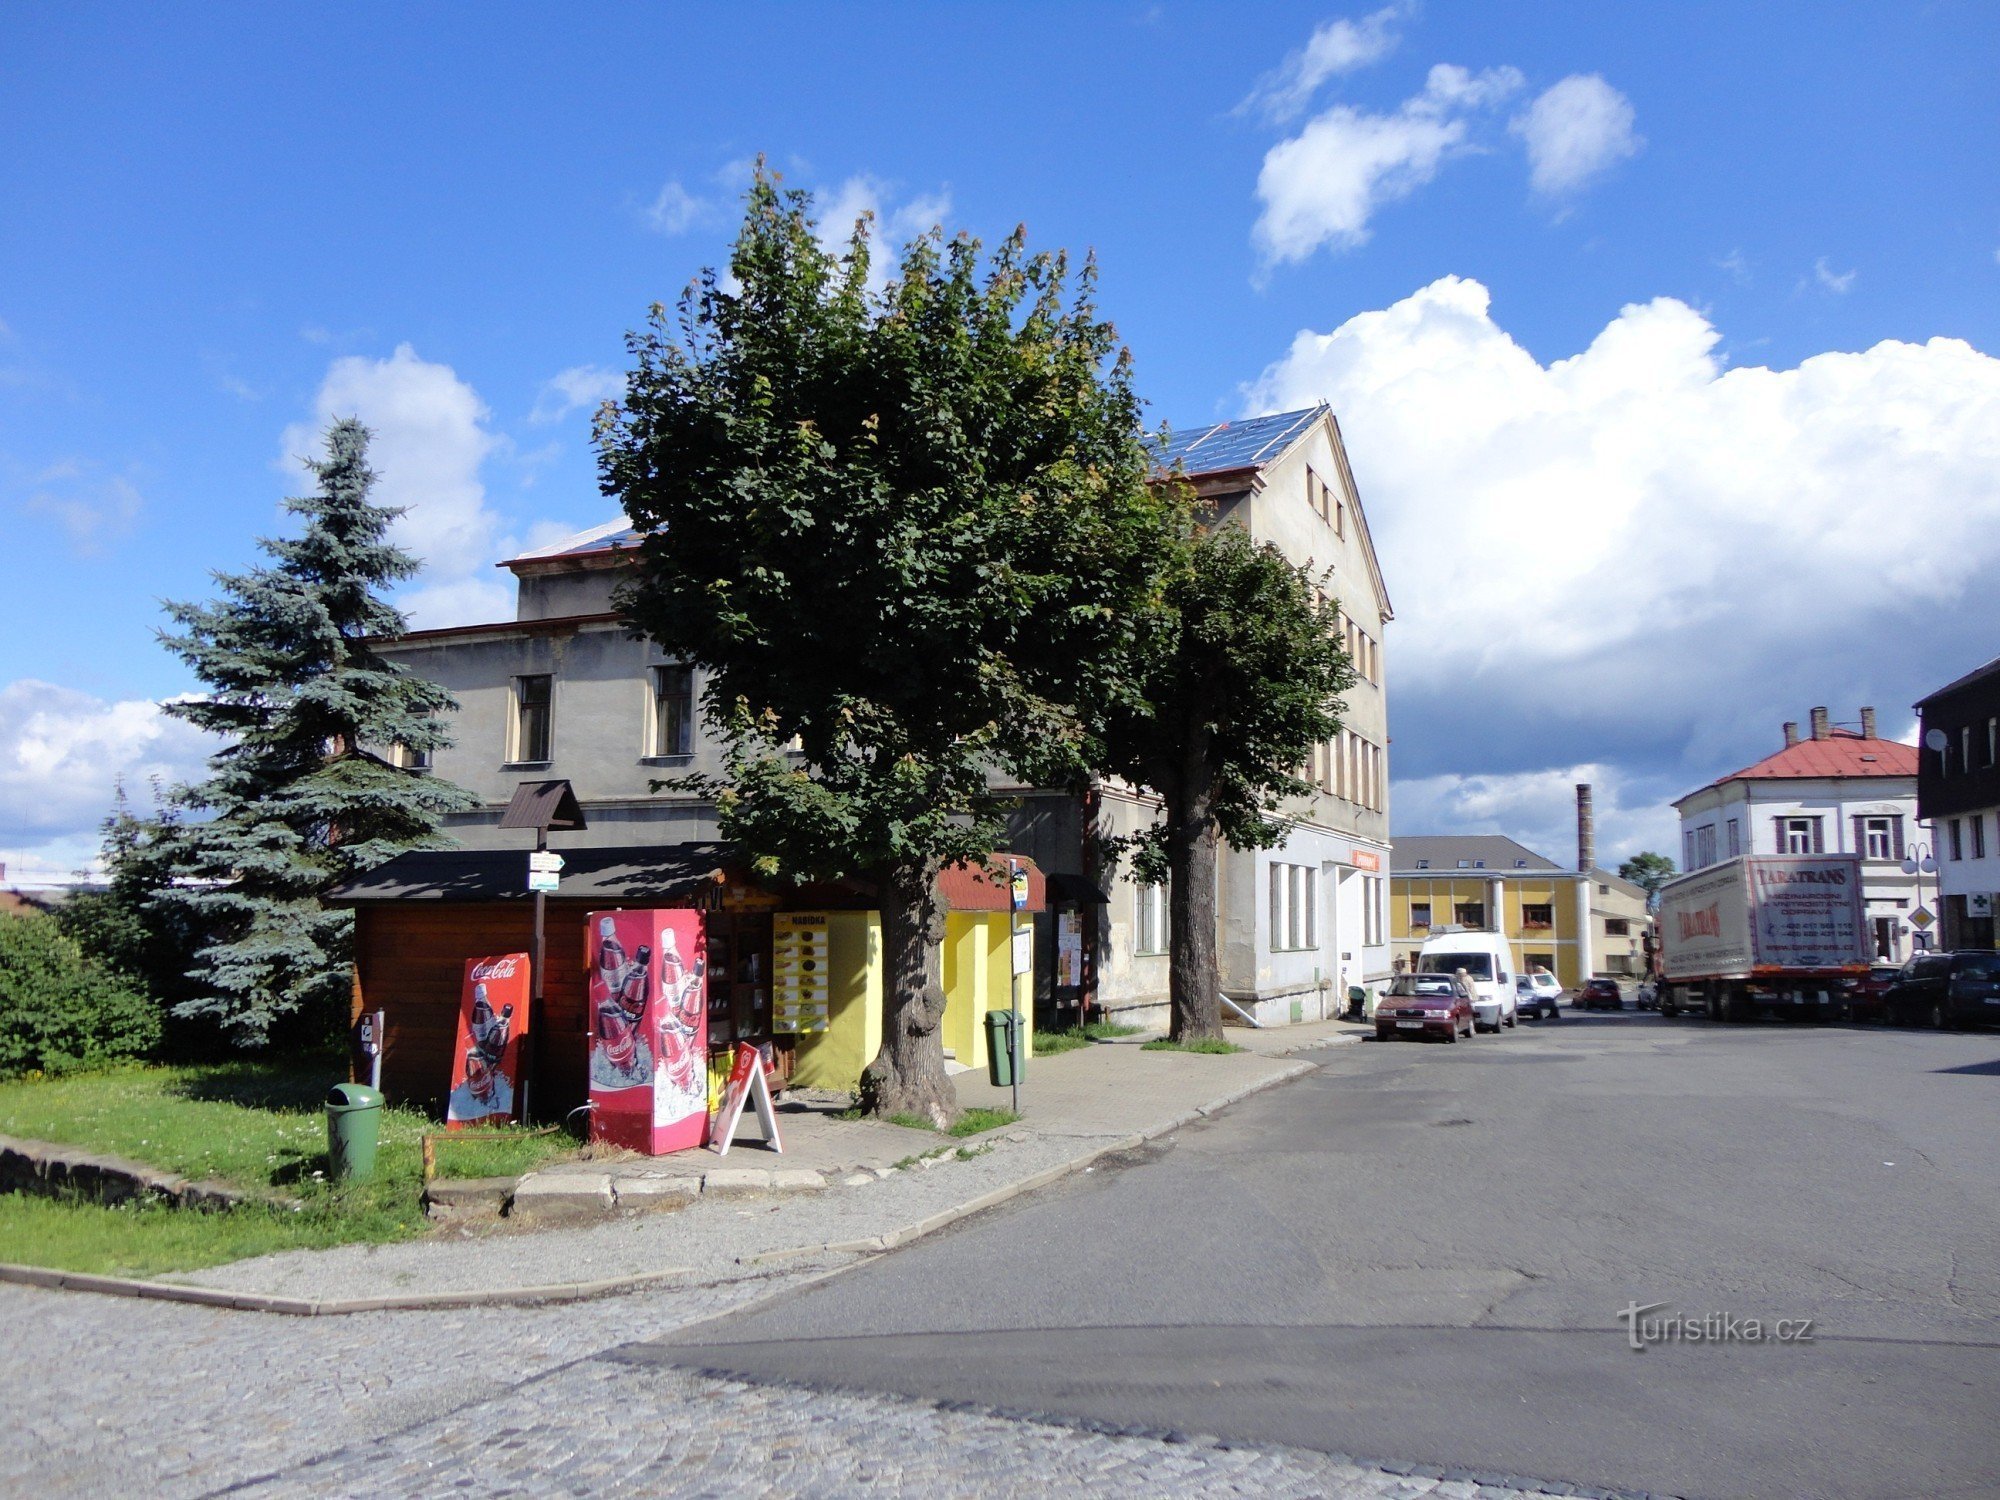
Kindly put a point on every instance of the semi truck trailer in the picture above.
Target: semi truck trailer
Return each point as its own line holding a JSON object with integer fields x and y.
{"x": 1763, "y": 935}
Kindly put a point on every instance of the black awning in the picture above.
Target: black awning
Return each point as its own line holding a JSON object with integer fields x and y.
{"x": 618, "y": 874}
{"x": 1074, "y": 890}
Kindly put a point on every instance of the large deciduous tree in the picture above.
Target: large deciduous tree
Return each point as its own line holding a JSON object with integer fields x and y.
{"x": 1239, "y": 675}
{"x": 299, "y": 797}
{"x": 904, "y": 532}
{"x": 1649, "y": 871}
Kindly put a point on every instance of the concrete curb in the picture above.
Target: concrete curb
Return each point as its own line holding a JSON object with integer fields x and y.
{"x": 302, "y": 1307}
{"x": 579, "y": 1291}
{"x": 894, "y": 1238}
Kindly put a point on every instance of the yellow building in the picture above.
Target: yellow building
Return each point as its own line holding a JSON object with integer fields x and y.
{"x": 1491, "y": 883}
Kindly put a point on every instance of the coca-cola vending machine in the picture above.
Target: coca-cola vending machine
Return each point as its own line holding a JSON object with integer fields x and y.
{"x": 648, "y": 1029}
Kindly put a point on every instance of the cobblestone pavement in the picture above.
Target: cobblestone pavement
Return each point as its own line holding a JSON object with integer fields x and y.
{"x": 114, "y": 1396}
{"x": 603, "y": 1427}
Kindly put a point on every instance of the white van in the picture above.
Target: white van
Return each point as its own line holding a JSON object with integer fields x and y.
{"x": 1488, "y": 961}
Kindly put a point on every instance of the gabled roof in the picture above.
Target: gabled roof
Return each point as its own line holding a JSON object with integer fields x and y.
{"x": 1485, "y": 853}
{"x": 1245, "y": 443}
{"x": 1844, "y": 753}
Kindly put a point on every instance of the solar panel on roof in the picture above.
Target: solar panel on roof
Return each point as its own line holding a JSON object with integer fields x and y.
{"x": 1241, "y": 444}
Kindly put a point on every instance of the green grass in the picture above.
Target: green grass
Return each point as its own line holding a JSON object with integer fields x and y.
{"x": 975, "y": 1120}
{"x": 971, "y": 1122}
{"x": 1099, "y": 1031}
{"x": 1209, "y": 1045}
{"x": 1051, "y": 1043}
{"x": 260, "y": 1127}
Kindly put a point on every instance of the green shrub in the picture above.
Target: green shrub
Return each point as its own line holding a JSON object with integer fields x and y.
{"x": 60, "y": 1011}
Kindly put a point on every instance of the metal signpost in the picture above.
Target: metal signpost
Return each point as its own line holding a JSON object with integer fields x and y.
{"x": 540, "y": 805}
{"x": 1023, "y": 946}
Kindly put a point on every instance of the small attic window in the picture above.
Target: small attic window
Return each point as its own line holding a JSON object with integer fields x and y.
{"x": 1479, "y": 864}
{"x": 1520, "y": 864}
{"x": 1868, "y": 757}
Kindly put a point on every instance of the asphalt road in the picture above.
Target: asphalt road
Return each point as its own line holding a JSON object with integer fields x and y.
{"x": 1418, "y": 1253}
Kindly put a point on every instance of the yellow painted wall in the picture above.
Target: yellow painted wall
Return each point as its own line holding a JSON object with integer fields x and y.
{"x": 977, "y": 972}
{"x": 1444, "y": 891}
{"x": 834, "y": 1058}
{"x": 978, "y": 977}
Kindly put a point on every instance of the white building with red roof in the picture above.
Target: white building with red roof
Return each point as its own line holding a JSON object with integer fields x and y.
{"x": 1841, "y": 790}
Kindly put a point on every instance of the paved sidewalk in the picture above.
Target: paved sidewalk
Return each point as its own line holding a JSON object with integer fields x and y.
{"x": 1076, "y": 1107}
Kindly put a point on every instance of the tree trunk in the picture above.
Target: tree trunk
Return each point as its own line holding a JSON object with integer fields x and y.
{"x": 1194, "y": 975}
{"x": 907, "y": 1075}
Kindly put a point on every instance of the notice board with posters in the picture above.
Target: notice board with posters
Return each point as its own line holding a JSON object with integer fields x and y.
{"x": 486, "y": 1057}
{"x": 800, "y": 997}
{"x": 648, "y": 1028}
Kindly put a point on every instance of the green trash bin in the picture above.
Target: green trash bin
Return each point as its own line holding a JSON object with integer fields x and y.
{"x": 353, "y": 1125}
{"x": 1005, "y": 1066}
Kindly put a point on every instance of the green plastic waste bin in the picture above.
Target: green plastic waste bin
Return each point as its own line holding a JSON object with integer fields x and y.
{"x": 1005, "y": 1066}
{"x": 353, "y": 1125}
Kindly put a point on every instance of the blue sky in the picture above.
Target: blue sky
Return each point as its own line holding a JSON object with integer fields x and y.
{"x": 1630, "y": 563}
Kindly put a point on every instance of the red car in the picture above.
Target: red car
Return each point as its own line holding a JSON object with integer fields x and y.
{"x": 1419, "y": 1005}
{"x": 1599, "y": 993}
{"x": 1865, "y": 996}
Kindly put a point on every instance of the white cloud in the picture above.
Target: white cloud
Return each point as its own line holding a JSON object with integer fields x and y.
{"x": 62, "y": 752}
{"x": 1737, "y": 267}
{"x": 675, "y": 210}
{"x": 1637, "y": 556}
{"x": 1335, "y": 48}
{"x": 1837, "y": 282}
{"x": 431, "y": 439}
{"x": 575, "y": 388}
{"x": 1575, "y": 131}
{"x": 895, "y": 224}
{"x": 1538, "y": 808}
{"x": 1323, "y": 185}
{"x": 94, "y": 508}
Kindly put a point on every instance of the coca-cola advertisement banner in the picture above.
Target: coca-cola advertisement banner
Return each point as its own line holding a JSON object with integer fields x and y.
{"x": 648, "y": 1029}
{"x": 492, "y": 1019}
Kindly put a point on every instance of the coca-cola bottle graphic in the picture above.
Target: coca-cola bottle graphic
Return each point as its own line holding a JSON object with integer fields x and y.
{"x": 621, "y": 1011}
{"x": 610, "y": 955}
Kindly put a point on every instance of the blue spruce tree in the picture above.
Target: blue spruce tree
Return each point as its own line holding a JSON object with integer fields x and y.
{"x": 300, "y": 797}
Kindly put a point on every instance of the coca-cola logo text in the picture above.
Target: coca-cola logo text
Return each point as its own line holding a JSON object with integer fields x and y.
{"x": 494, "y": 968}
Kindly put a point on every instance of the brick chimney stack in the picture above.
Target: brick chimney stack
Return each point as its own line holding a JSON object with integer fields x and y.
{"x": 1586, "y": 830}
{"x": 1822, "y": 725}
{"x": 1791, "y": 733}
{"x": 1868, "y": 723}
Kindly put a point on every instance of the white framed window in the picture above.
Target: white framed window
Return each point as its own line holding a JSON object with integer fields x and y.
{"x": 1800, "y": 836}
{"x": 1978, "y": 822}
{"x": 1880, "y": 838}
{"x": 532, "y": 733}
{"x": 1687, "y": 849}
{"x": 1149, "y": 929}
{"x": 1704, "y": 844}
{"x": 1292, "y": 907}
{"x": 1420, "y": 914}
{"x": 670, "y": 726}
{"x": 409, "y": 757}
{"x": 1735, "y": 838}
{"x": 1957, "y": 833}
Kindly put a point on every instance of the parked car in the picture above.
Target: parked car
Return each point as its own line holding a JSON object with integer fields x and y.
{"x": 1534, "y": 999}
{"x": 1488, "y": 961}
{"x": 1946, "y": 989}
{"x": 1865, "y": 996}
{"x": 1423, "y": 1005}
{"x": 1600, "y": 994}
